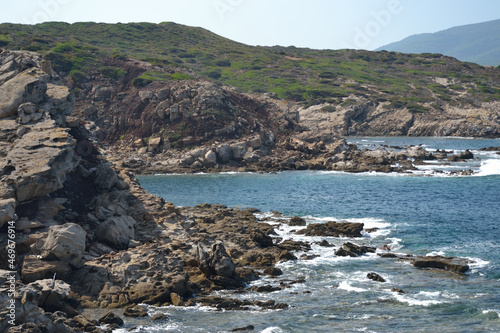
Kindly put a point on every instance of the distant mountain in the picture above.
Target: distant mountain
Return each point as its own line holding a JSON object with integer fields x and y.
{"x": 479, "y": 43}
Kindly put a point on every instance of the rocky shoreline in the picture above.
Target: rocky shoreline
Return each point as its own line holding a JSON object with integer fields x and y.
{"x": 88, "y": 236}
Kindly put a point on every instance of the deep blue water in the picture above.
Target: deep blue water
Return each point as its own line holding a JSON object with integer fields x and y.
{"x": 453, "y": 216}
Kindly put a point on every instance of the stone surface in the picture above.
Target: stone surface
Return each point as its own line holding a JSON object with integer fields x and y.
{"x": 66, "y": 243}
{"x": 36, "y": 269}
{"x": 117, "y": 231}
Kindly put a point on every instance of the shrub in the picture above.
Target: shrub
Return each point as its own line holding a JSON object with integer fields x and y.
{"x": 112, "y": 72}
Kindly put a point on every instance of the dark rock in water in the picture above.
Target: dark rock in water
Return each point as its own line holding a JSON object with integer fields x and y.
{"x": 466, "y": 155}
{"x": 273, "y": 271}
{"x": 453, "y": 264}
{"x": 375, "y": 277}
{"x": 397, "y": 290}
{"x": 261, "y": 238}
{"x": 292, "y": 245}
{"x": 241, "y": 329}
{"x": 136, "y": 311}
{"x": 265, "y": 289}
{"x": 353, "y": 250}
{"x": 297, "y": 221}
{"x": 388, "y": 255}
{"x": 159, "y": 317}
{"x": 111, "y": 318}
{"x": 325, "y": 243}
{"x": 333, "y": 229}
{"x": 308, "y": 256}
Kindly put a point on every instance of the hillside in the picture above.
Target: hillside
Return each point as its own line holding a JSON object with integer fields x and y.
{"x": 168, "y": 97}
{"x": 478, "y": 43}
{"x": 303, "y": 75}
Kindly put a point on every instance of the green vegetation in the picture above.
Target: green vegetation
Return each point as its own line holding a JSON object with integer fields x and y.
{"x": 303, "y": 75}
{"x": 112, "y": 72}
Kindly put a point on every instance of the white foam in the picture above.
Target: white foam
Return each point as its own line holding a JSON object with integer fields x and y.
{"x": 435, "y": 253}
{"x": 421, "y": 299}
{"x": 345, "y": 285}
{"x": 496, "y": 311}
{"x": 272, "y": 329}
{"x": 489, "y": 167}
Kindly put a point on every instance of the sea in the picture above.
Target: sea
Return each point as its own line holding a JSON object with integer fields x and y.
{"x": 429, "y": 211}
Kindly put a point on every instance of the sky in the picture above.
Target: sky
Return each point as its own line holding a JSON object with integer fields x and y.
{"x": 317, "y": 24}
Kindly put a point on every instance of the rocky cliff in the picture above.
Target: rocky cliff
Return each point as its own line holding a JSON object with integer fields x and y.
{"x": 77, "y": 231}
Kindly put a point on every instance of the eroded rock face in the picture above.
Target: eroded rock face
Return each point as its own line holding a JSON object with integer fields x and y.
{"x": 65, "y": 242}
{"x": 41, "y": 160}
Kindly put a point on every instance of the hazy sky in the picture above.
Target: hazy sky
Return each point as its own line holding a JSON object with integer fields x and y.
{"x": 319, "y": 24}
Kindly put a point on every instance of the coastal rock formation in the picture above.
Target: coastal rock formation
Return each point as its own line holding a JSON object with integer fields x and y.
{"x": 333, "y": 229}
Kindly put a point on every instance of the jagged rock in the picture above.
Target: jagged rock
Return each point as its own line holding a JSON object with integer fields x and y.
{"x": 297, "y": 221}
{"x": 353, "y": 250}
{"x": 221, "y": 262}
{"x": 259, "y": 237}
{"x": 47, "y": 294}
{"x": 117, "y": 231}
{"x": 333, "y": 229}
{"x": 110, "y": 318}
{"x": 375, "y": 277}
{"x": 41, "y": 160}
{"x": 28, "y": 86}
{"x": 466, "y": 155}
{"x": 66, "y": 243}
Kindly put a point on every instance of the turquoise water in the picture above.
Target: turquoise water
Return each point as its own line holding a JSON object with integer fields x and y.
{"x": 452, "y": 216}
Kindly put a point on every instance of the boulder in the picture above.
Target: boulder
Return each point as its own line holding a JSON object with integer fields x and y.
{"x": 48, "y": 294}
{"x": 375, "y": 277}
{"x": 221, "y": 262}
{"x": 105, "y": 178}
{"x": 28, "y": 112}
{"x": 333, "y": 229}
{"x": 297, "y": 221}
{"x": 224, "y": 153}
{"x": 66, "y": 243}
{"x": 117, "y": 231}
